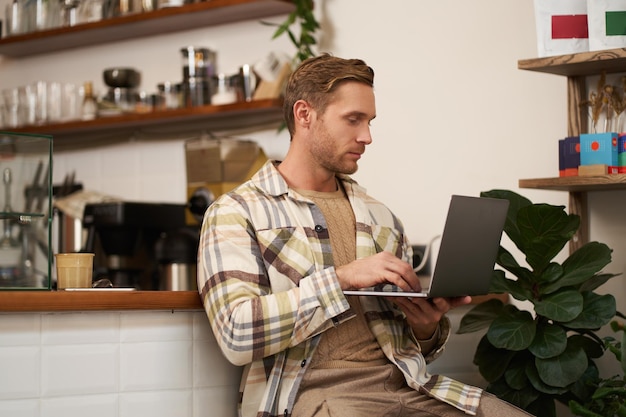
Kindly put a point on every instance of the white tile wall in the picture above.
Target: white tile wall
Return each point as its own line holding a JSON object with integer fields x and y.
{"x": 19, "y": 408}
{"x": 145, "y": 169}
{"x": 19, "y": 372}
{"x": 132, "y": 170}
{"x": 113, "y": 364}
{"x": 79, "y": 405}
{"x": 158, "y": 404}
{"x": 129, "y": 364}
{"x": 79, "y": 369}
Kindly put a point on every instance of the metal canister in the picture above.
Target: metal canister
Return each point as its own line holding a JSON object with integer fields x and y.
{"x": 198, "y": 62}
{"x": 198, "y": 74}
{"x": 176, "y": 254}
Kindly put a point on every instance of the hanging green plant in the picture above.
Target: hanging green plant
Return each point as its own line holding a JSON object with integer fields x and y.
{"x": 308, "y": 24}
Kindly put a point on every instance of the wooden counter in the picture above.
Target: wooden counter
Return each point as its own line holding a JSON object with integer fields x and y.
{"x": 25, "y": 301}
{"x": 31, "y": 301}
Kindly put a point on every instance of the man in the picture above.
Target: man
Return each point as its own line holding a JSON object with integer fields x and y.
{"x": 277, "y": 252}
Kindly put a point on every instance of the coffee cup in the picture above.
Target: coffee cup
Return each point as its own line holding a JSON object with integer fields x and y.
{"x": 74, "y": 270}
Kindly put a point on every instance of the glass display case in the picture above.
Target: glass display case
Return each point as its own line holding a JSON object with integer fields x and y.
{"x": 26, "y": 211}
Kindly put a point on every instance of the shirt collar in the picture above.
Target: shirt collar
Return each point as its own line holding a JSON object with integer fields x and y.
{"x": 269, "y": 179}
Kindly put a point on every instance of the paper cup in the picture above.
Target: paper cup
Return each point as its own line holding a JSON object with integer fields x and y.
{"x": 74, "y": 270}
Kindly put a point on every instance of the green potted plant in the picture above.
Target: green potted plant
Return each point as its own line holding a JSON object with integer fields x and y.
{"x": 609, "y": 395}
{"x": 304, "y": 17}
{"x": 534, "y": 358}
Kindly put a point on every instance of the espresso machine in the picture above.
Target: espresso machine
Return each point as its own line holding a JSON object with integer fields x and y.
{"x": 123, "y": 234}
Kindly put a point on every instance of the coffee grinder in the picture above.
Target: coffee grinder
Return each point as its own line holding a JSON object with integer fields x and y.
{"x": 123, "y": 235}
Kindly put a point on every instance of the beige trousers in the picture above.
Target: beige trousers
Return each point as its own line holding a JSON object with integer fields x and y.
{"x": 379, "y": 391}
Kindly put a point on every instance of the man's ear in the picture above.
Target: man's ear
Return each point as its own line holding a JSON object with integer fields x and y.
{"x": 302, "y": 113}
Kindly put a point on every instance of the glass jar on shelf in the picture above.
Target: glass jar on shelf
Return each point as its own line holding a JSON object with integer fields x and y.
{"x": 90, "y": 11}
{"x": 15, "y": 16}
{"x": 42, "y": 14}
{"x": 90, "y": 106}
{"x": 69, "y": 12}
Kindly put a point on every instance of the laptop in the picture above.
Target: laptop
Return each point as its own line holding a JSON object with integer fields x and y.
{"x": 467, "y": 252}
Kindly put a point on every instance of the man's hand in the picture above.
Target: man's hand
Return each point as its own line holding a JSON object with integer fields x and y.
{"x": 381, "y": 268}
{"x": 424, "y": 314}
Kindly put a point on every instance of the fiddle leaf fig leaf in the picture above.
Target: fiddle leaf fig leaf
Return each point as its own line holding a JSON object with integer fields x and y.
{"x": 481, "y": 316}
{"x": 596, "y": 281}
{"x": 522, "y": 398}
{"x": 508, "y": 262}
{"x": 593, "y": 348}
{"x": 516, "y": 202}
{"x": 545, "y": 229}
{"x": 500, "y": 284}
{"x": 582, "y": 265}
{"x": 550, "y": 340}
{"x": 491, "y": 362}
{"x": 543, "y": 406}
{"x": 564, "y": 369}
{"x": 561, "y": 306}
{"x": 533, "y": 376}
{"x": 584, "y": 387}
{"x": 515, "y": 375}
{"x": 514, "y": 331}
{"x": 597, "y": 311}
{"x": 552, "y": 273}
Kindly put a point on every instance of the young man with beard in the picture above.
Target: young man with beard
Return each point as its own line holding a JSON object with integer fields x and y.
{"x": 277, "y": 253}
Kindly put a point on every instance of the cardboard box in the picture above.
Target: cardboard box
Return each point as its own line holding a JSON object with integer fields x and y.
{"x": 592, "y": 170}
{"x": 569, "y": 156}
{"x": 216, "y": 166}
{"x": 273, "y": 89}
{"x": 599, "y": 149}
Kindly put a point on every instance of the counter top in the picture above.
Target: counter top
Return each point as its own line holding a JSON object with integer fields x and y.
{"x": 30, "y": 301}
{"x": 40, "y": 301}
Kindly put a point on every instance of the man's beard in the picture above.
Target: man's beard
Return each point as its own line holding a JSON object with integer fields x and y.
{"x": 323, "y": 150}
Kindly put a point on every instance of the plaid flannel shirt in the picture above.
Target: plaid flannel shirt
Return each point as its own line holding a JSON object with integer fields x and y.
{"x": 268, "y": 284}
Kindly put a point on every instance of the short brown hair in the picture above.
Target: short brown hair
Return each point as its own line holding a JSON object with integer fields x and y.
{"x": 317, "y": 78}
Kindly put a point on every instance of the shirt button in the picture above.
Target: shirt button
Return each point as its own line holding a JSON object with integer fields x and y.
{"x": 319, "y": 228}
{"x": 303, "y": 363}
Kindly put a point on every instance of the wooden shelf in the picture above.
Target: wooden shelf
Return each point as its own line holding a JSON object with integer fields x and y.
{"x": 577, "y": 184}
{"x": 27, "y": 301}
{"x": 172, "y": 19}
{"x": 225, "y": 117}
{"x": 576, "y": 67}
{"x": 158, "y": 22}
{"x": 580, "y": 64}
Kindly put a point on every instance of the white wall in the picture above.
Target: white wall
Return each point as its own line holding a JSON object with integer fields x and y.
{"x": 455, "y": 115}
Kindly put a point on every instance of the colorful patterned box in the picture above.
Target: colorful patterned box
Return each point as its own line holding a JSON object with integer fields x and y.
{"x": 621, "y": 154}
{"x": 599, "y": 148}
{"x": 569, "y": 156}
